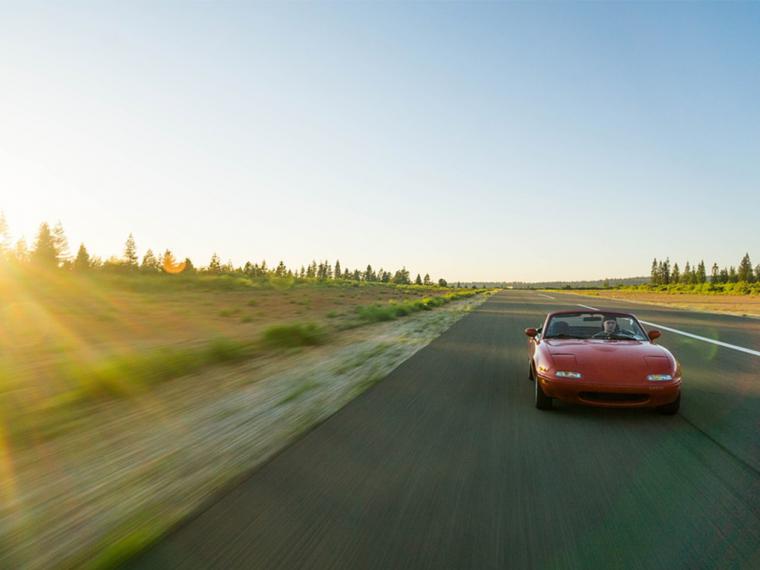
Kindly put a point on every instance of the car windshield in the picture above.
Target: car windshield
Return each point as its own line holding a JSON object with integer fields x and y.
{"x": 603, "y": 326}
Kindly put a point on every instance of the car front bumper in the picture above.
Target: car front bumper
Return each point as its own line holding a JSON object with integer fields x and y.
{"x": 610, "y": 395}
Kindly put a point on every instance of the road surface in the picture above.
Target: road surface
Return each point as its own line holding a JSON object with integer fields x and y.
{"x": 447, "y": 464}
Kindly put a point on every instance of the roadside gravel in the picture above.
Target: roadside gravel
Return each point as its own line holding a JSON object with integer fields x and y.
{"x": 95, "y": 496}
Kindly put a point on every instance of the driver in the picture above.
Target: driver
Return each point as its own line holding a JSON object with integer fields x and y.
{"x": 609, "y": 327}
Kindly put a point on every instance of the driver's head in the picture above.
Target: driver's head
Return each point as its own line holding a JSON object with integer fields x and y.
{"x": 609, "y": 325}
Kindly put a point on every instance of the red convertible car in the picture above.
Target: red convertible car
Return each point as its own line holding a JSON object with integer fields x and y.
{"x": 602, "y": 358}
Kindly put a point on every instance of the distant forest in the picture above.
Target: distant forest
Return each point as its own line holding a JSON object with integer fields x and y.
{"x": 664, "y": 274}
{"x": 51, "y": 251}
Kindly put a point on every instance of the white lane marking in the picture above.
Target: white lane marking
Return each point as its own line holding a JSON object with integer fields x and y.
{"x": 696, "y": 336}
{"x": 547, "y": 296}
{"x": 690, "y": 335}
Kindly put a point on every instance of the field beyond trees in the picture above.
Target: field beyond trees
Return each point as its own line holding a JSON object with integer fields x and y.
{"x": 718, "y": 302}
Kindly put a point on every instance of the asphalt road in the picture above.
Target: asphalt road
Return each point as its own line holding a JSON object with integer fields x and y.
{"x": 447, "y": 464}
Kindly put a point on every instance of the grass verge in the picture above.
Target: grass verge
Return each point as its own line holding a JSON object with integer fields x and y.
{"x": 393, "y": 310}
{"x": 293, "y": 335}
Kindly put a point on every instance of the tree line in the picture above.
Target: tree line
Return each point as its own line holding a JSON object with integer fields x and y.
{"x": 51, "y": 251}
{"x": 663, "y": 273}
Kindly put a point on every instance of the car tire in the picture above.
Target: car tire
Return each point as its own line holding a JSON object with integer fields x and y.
{"x": 672, "y": 408}
{"x": 543, "y": 402}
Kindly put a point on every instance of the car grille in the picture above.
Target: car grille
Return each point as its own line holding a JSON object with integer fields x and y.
{"x": 613, "y": 397}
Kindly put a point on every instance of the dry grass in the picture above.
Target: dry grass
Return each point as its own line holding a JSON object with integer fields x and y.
{"x": 748, "y": 305}
{"x": 131, "y": 467}
{"x": 70, "y": 343}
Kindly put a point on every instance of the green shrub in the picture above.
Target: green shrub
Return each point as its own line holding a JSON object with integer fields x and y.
{"x": 707, "y": 288}
{"x": 293, "y": 335}
{"x": 225, "y": 350}
{"x": 123, "y": 375}
{"x": 376, "y": 313}
{"x": 403, "y": 309}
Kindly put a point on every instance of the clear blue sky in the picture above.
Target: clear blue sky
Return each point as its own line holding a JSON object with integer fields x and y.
{"x": 473, "y": 141}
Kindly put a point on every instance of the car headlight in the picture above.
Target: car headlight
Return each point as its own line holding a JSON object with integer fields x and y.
{"x": 567, "y": 374}
{"x": 659, "y": 377}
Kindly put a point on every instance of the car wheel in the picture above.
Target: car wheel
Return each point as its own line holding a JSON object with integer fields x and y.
{"x": 672, "y": 408}
{"x": 543, "y": 402}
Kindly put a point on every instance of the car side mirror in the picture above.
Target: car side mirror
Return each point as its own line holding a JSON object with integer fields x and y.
{"x": 531, "y": 332}
{"x": 654, "y": 334}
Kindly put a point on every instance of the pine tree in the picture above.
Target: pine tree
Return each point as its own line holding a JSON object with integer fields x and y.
{"x": 675, "y": 277}
{"x": 188, "y": 266}
{"x": 338, "y": 271}
{"x": 357, "y": 276}
{"x": 666, "y": 271}
{"x": 401, "y": 277}
{"x": 687, "y": 275}
{"x": 61, "y": 243}
{"x": 82, "y": 261}
{"x": 5, "y": 236}
{"x": 701, "y": 275}
{"x": 149, "y": 262}
{"x": 281, "y": 270}
{"x": 168, "y": 262}
{"x": 715, "y": 273}
{"x": 21, "y": 252}
{"x": 757, "y": 272}
{"x": 426, "y": 279}
{"x": 745, "y": 269}
{"x": 724, "y": 275}
{"x": 418, "y": 280}
{"x": 215, "y": 264}
{"x": 442, "y": 283}
{"x": 130, "y": 253}
{"x": 45, "y": 253}
{"x": 369, "y": 274}
{"x": 655, "y": 273}
{"x": 346, "y": 274}
{"x": 732, "y": 276}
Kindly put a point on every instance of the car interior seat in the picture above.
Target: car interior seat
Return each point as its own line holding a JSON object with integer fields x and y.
{"x": 559, "y": 327}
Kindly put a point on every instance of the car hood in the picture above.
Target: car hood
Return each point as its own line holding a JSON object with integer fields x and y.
{"x": 623, "y": 362}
